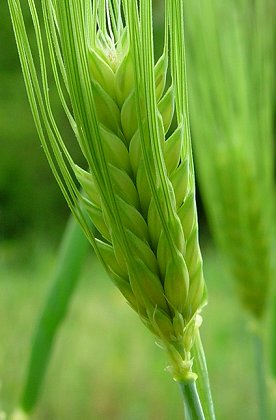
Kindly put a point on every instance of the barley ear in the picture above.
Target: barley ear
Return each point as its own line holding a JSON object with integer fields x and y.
{"x": 138, "y": 184}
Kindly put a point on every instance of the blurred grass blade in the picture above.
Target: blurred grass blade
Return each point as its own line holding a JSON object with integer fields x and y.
{"x": 71, "y": 255}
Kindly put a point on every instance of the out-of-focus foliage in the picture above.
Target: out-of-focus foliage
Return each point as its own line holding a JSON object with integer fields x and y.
{"x": 102, "y": 338}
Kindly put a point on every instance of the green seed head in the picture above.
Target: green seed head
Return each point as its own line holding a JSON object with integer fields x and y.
{"x": 130, "y": 117}
{"x": 163, "y": 276}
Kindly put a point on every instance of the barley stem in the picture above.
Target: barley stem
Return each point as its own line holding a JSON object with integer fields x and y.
{"x": 192, "y": 405}
{"x": 203, "y": 384}
{"x": 273, "y": 336}
{"x": 261, "y": 374}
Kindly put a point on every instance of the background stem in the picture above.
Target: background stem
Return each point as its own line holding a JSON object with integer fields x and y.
{"x": 261, "y": 374}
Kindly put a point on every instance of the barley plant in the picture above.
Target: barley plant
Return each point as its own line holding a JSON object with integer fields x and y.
{"x": 232, "y": 125}
{"x": 129, "y": 115}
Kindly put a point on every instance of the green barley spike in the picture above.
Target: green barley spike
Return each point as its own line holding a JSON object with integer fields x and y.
{"x": 130, "y": 118}
{"x": 234, "y": 96}
{"x": 156, "y": 271}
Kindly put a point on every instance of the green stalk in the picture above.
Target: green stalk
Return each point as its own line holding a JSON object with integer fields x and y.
{"x": 203, "y": 384}
{"x": 262, "y": 388}
{"x": 73, "y": 249}
{"x": 192, "y": 405}
{"x": 272, "y": 356}
{"x": 273, "y": 323}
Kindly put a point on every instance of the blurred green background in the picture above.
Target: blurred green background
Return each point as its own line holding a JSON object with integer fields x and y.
{"x": 105, "y": 364}
{"x": 30, "y": 199}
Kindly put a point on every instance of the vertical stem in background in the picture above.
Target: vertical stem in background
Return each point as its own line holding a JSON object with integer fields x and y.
{"x": 272, "y": 307}
{"x": 272, "y": 352}
{"x": 73, "y": 250}
{"x": 203, "y": 384}
{"x": 262, "y": 388}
